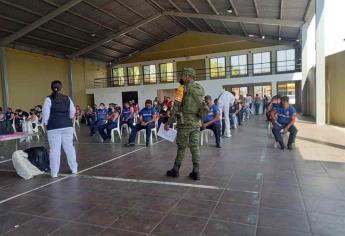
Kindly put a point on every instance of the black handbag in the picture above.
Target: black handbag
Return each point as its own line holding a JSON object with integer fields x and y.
{"x": 6, "y": 127}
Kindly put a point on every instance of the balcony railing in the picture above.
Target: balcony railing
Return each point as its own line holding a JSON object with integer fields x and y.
{"x": 201, "y": 74}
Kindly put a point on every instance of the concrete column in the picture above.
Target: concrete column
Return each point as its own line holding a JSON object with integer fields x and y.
{"x": 320, "y": 63}
{"x": 274, "y": 88}
{"x": 207, "y": 70}
{"x": 70, "y": 79}
{"x": 4, "y": 78}
{"x": 250, "y": 66}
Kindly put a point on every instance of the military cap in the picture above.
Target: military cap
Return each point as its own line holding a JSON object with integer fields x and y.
{"x": 189, "y": 72}
{"x": 208, "y": 97}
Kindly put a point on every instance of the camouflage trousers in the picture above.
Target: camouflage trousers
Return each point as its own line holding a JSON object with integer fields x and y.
{"x": 188, "y": 137}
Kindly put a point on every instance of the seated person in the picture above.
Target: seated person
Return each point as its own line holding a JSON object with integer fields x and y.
{"x": 283, "y": 120}
{"x": 20, "y": 116}
{"x": 77, "y": 112}
{"x": 127, "y": 116}
{"x": 38, "y": 110}
{"x": 105, "y": 129}
{"x": 2, "y": 117}
{"x": 101, "y": 117}
{"x": 275, "y": 103}
{"x": 33, "y": 118}
{"x": 234, "y": 111}
{"x": 212, "y": 120}
{"x": 9, "y": 114}
{"x": 163, "y": 115}
{"x": 147, "y": 118}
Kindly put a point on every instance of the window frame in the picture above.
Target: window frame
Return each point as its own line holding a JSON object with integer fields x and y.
{"x": 155, "y": 74}
{"x": 210, "y": 68}
{"x": 270, "y": 62}
{"x": 240, "y": 75}
{"x": 286, "y": 71}
{"x": 117, "y": 78}
{"x": 128, "y": 76}
{"x": 166, "y": 73}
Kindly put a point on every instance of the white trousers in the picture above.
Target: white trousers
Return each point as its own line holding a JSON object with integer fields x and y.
{"x": 225, "y": 108}
{"x": 63, "y": 137}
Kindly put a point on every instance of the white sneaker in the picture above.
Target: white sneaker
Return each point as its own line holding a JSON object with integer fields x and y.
{"x": 54, "y": 176}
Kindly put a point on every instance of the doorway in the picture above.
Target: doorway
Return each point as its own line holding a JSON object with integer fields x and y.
{"x": 130, "y": 96}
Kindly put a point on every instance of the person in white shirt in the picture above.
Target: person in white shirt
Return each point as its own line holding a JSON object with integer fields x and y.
{"x": 225, "y": 100}
{"x": 58, "y": 115}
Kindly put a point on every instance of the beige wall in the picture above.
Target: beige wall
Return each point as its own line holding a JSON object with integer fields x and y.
{"x": 195, "y": 43}
{"x": 30, "y": 75}
{"x": 335, "y": 87}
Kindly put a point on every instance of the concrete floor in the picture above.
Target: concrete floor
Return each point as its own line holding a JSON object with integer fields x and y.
{"x": 246, "y": 188}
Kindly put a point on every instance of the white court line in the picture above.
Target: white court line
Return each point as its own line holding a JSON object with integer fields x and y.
{"x": 5, "y": 161}
{"x": 69, "y": 176}
{"x": 162, "y": 183}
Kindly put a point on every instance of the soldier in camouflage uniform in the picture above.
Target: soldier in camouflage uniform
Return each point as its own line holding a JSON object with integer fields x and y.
{"x": 188, "y": 110}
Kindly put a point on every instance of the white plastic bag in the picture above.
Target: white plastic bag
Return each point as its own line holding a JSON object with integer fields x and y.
{"x": 23, "y": 166}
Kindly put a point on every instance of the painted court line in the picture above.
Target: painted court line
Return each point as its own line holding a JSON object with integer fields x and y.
{"x": 70, "y": 176}
{"x": 161, "y": 183}
{"x": 5, "y": 161}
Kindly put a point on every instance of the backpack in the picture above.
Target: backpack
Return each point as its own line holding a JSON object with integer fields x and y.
{"x": 6, "y": 127}
{"x": 38, "y": 156}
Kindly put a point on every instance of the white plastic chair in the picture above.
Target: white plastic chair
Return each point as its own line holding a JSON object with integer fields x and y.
{"x": 285, "y": 139}
{"x": 14, "y": 124}
{"x": 77, "y": 122}
{"x": 41, "y": 125}
{"x": 204, "y": 134}
{"x": 234, "y": 119}
{"x": 153, "y": 131}
{"x": 174, "y": 126}
{"x": 117, "y": 129}
{"x": 125, "y": 127}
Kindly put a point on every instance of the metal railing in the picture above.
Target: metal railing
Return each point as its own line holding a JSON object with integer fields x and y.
{"x": 201, "y": 74}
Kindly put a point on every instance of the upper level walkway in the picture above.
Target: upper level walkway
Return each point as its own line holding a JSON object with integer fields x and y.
{"x": 246, "y": 188}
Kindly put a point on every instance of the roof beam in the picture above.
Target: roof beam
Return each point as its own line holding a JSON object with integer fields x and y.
{"x": 232, "y": 5}
{"x": 280, "y": 17}
{"x": 257, "y": 14}
{"x": 214, "y": 9}
{"x": 39, "y": 22}
{"x": 197, "y": 11}
{"x": 249, "y": 20}
{"x": 114, "y": 35}
{"x": 310, "y": 11}
{"x": 180, "y": 10}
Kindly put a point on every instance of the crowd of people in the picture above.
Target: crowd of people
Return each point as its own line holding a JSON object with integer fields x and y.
{"x": 103, "y": 119}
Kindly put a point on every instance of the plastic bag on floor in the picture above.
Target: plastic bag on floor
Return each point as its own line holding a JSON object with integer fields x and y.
{"x": 23, "y": 166}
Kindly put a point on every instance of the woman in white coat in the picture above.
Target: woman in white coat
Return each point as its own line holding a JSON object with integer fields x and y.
{"x": 225, "y": 100}
{"x": 58, "y": 114}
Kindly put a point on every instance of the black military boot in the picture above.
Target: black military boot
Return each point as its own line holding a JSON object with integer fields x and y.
{"x": 195, "y": 175}
{"x": 282, "y": 145}
{"x": 173, "y": 173}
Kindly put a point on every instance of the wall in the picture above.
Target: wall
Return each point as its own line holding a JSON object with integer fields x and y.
{"x": 212, "y": 87}
{"x": 30, "y": 75}
{"x": 193, "y": 43}
{"x": 335, "y": 87}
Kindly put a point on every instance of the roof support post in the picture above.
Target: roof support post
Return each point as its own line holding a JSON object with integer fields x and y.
{"x": 4, "y": 78}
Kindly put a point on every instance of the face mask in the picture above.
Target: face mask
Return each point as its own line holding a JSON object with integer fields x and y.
{"x": 181, "y": 81}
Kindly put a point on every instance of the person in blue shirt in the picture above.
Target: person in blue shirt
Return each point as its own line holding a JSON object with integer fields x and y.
{"x": 9, "y": 114}
{"x": 127, "y": 116}
{"x": 101, "y": 117}
{"x": 112, "y": 121}
{"x": 147, "y": 119}
{"x": 284, "y": 118}
{"x": 212, "y": 120}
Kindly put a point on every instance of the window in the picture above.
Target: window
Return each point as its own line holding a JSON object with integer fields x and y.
{"x": 288, "y": 89}
{"x": 217, "y": 67}
{"x": 119, "y": 76}
{"x": 149, "y": 74}
{"x": 263, "y": 90}
{"x": 133, "y": 75}
{"x": 238, "y": 65}
{"x": 166, "y": 72}
{"x": 240, "y": 91}
{"x": 286, "y": 60}
{"x": 262, "y": 62}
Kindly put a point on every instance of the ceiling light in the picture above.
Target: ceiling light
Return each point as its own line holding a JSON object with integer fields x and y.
{"x": 251, "y": 35}
{"x": 93, "y": 35}
{"x": 297, "y": 40}
{"x": 280, "y": 38}
{"x": 229, "y": 10}
{"x": 263, "y": 36}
